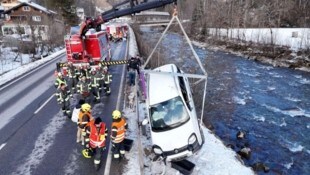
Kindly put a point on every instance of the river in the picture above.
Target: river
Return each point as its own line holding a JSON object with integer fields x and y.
{"x": 270, "y": 104}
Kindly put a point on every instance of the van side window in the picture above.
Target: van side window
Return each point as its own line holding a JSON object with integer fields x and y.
{"x": 184, "y": 92}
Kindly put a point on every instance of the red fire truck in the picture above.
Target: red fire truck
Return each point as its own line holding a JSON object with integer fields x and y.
{"x": 94, "y": 49}
{"x": 117, "y": 31}
{"x": 89, "y": 45}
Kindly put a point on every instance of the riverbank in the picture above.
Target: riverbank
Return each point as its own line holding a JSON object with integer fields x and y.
{"x": 263, "y": 101}
{"x": 277, "y": 56}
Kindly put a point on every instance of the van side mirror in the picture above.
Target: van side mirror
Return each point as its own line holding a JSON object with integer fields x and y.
{"x": 145, "y": 122}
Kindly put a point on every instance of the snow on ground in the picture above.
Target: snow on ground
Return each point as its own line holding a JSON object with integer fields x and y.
{"x": 213, "y": 158}
{"x": 21, "y": 69}
{"x": 295, "y": 38}
{"x": 42, "y": 144}
{"x": 7, "y": 62}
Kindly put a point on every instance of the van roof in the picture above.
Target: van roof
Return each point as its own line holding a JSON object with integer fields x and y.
{"x": 162, "y": 87}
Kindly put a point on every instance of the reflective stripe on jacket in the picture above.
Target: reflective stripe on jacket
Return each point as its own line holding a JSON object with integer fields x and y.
{"x": 84, "y": 121}
{"x": 83, "y": 87}
{"x": 119, "y": 129}
{"x": 95, "y": 81}
{"x": 97, "y": 138}
{"x": 107, "y": 78}
{"x": 63, "y": 95}
{"x": 59, "y": 81}
{"x": 71, "y": 72}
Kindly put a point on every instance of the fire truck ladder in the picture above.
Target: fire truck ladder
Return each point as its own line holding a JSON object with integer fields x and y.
{"x": 68, "y": 48}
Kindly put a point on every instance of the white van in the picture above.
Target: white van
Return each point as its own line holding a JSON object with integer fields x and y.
{"x": 172, "y": 117}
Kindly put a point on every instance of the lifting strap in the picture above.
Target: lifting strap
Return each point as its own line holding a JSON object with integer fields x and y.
{"x": 202, "y": 77}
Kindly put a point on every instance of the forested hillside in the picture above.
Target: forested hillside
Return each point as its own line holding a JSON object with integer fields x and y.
{"x": 217, "y": 13}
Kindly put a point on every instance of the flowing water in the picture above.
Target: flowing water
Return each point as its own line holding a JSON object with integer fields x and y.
{"x": 271, "y": 104}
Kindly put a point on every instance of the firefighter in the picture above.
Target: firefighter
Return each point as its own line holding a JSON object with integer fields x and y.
{"x": 63, "y": 98}
{"x": 72, "y": 76}
{"x": 60, "y": 79}
{"x": 134, "y": 63}
{"x": 83, "y": 88}
{"x": 100, "y": 72}
{"x": 84, "y": 117}
{"x": 106, "y": 80}
{"x": 79, "y": 73}
{"x": 95, "y": 84}
{"x": 119, "y": 127}
{"x": 96, "y": 133}
{"x": 86, "y": 72}
{"x": 131, "y": 76}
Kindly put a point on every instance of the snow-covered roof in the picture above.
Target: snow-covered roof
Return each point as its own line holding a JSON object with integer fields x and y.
{"x": 33, "y": 5}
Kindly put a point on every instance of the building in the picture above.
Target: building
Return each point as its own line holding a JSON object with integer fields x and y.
{"x": 152, "y": 17}
{"x": 28, "y": 19}
{"x": 7, "y": 4}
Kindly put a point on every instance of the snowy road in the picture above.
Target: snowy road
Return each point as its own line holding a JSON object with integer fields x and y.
{"x": 34, "y": 137}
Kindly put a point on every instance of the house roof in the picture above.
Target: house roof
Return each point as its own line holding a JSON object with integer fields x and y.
{"x": 33, "y": 5}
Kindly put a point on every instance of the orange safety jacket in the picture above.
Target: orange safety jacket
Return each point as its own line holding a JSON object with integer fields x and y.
{"x": 81, "y": 121}
{"x": 97, "y": 138}
{"x": 119, "y": 128}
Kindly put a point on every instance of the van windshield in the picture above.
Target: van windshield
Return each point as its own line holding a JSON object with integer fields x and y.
{"x": 168, "y": 114}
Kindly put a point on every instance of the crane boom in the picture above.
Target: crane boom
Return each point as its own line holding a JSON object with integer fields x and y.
{"x": 115, "y": 13}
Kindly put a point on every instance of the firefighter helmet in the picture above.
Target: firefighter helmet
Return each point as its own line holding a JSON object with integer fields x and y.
{"x": 105, "y": 68}
{"x": 116, "y": 114}
{"x": 86, "y": 107}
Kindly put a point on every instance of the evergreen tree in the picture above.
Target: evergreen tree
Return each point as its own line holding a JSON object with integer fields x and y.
{"x": 197, "y": 17}
{"x": 66, "y": 8}
{"x": 68, "y": 11}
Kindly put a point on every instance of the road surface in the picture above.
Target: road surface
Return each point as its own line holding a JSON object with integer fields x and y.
{"x": 34, "y": 136}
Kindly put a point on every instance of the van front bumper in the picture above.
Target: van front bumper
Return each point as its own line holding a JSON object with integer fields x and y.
{"x": 179, "y": 156}
{"x": 181, "y": 153}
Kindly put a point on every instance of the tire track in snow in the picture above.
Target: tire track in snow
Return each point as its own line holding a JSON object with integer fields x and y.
{"x": 42, "y": 145}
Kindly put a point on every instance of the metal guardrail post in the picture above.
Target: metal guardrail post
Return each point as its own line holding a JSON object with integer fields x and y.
{"x": 143, "y": 85}
{"x": 140, "y": 149}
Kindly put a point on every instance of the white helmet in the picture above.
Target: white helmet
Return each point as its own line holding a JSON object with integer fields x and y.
{"x": 93, "y": 69}
{"x": 105, "y": 68}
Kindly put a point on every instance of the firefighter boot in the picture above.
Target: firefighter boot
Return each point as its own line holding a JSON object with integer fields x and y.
{"x": 97, "y": 164}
